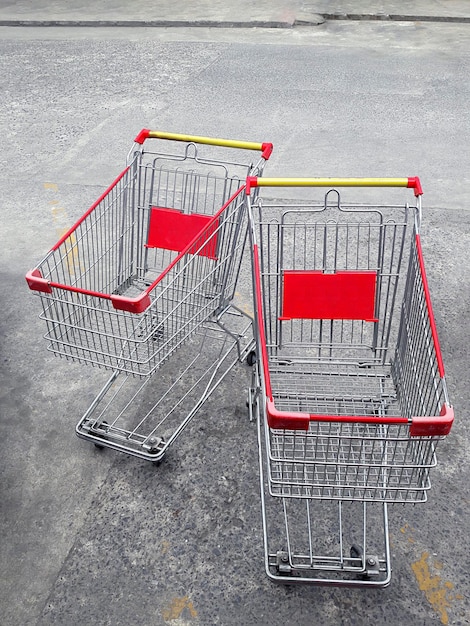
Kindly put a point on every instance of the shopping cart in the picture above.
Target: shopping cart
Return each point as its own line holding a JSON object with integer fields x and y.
{"x": 349, "y": 384}
{"x": 151, "y": 268}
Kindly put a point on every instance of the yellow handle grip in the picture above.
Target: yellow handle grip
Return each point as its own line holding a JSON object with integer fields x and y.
{"x": 412, "y": 182}
{"x": 211, "y": 141}
{"x": 333, "y": 182}
{"x": 265, "y": 148}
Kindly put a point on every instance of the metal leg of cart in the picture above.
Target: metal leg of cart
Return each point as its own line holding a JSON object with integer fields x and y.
{"x": 333, "y": 543}
{"x": 144, "y": 417}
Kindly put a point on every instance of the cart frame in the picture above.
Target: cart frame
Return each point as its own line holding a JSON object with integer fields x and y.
{"x": 349, "y": 386}
{"x": 144, "y": 417}
{"x": 149, "y": 271}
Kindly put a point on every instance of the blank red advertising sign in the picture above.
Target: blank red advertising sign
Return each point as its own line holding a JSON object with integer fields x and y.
{"x": 171, "y": 229}
{"x": 313, "y": 294}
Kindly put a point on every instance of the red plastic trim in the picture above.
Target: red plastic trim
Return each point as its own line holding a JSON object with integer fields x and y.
{"x": 131, "y": 305}
{"x": 142, "y": 136}
{"x": 85, "y": 292}
{"x": 433, "y": 426}
{"x": 191, "y": 245}
{"x": 415, "y": 184}
{"x": 432, "y": 321}
{"x": 267, "y": 149}
{"x": 286, "y": 421}
{"x": 422, "y": 426}
{"x": 260, "y": 322}
{"x": 121, "y": 303}
{"x": 36, "y": 282}
{"x": 300, "y": 421}
{"x": 251, "y": 181}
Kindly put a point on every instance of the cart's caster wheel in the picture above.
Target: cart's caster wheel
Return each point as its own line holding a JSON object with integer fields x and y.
{"x": 158, "y": 444}
{"x": 99, "y": 446}
{"x": 356, "y": 551}
{"x": 251, "y": 358}
{"x": 283, "y": 566}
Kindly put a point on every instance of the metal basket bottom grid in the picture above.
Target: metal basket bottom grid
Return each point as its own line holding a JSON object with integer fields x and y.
{"x": 332, "y": 389}
{"x": 144, "y": 417}
{"x": 341, "y": 460}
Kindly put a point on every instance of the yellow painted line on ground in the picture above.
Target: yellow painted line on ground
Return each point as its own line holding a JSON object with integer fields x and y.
{"x": 243, "y": 305}
{"x": 51, "y": 186}
{"x": 405, "y": 530}
{"x": 62, "y": 223}
{"x": 58, "y": 212}
{"x": 436, "y": 590}
{"x": 71, "y": 257}
{"x": 176, "y": 608}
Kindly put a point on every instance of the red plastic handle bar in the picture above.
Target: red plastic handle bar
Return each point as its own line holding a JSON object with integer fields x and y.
{"x": 139, "y": 304}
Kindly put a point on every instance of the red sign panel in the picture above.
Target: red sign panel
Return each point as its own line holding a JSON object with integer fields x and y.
{"x": 171, "y": 229}
{"x": 312, "y": 294}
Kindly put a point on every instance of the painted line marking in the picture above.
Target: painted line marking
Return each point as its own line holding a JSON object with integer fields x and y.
{"x": 62, "y": 224}
{"x": 176, "y": 608}
{"x": 436, "y": 590}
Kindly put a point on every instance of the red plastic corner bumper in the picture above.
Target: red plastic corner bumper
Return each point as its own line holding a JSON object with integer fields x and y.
{"x": 433, "y": 426}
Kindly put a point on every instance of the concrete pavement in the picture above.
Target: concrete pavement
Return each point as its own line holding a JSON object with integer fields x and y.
{"x": 263, "y": 13}
{"x": 97, "y": 538}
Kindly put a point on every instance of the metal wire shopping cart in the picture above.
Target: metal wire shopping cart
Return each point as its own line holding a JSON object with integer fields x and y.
{"x": 349, "y": 386}
{"x": 149, "y": 269}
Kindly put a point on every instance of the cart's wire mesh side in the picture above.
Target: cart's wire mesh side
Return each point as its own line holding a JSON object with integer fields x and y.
{"x": 88, "y": 328}
{"x": 337, "y": 461}
{"x": 349, "y": 359}
{"x": 172, "y": 229}
{"x": 99, "y": 254}
{"x": 346, "y": 461}
{"x": 417, "y": 369}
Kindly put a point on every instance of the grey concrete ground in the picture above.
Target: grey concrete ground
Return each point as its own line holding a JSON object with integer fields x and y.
{"x": 276, "y": 13}
{"x": 90, "y": 537}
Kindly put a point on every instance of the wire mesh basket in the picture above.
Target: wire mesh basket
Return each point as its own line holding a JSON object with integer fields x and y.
{"x": 154, "y": 257}
{"x": 352, "y": 375}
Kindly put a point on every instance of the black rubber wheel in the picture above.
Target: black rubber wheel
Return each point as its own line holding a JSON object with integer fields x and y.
{"x": 100, "y": 446}
{"x": 156, "y": 450}
{"x": 251, "y": 358}
{"x": 356, "y": 551}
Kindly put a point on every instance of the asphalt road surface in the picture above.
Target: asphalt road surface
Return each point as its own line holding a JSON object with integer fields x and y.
{"x": 96, "y": 537}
